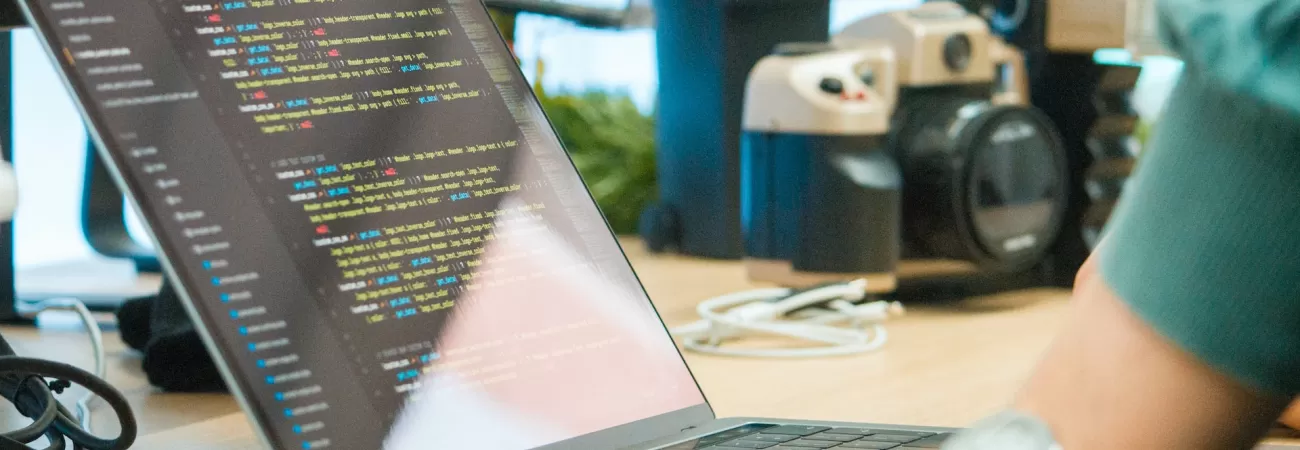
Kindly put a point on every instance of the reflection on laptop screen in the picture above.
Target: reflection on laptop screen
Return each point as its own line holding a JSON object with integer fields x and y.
{"x": 617, "y": 5}
{"x": 373, "y": 218}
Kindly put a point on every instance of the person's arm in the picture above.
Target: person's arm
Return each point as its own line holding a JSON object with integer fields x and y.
{"x": 1111, "y": 381}
{"x": 1185, "y": 328}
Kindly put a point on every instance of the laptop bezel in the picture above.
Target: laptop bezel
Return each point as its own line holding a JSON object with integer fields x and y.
{"x": 621, "y": 436}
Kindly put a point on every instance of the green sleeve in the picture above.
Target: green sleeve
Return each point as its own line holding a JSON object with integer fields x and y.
{"x": 1205, "y": 245}
{"x": 1251, "y": 47}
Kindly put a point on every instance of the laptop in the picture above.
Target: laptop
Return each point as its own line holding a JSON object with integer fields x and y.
{"x": 379, "y": 235}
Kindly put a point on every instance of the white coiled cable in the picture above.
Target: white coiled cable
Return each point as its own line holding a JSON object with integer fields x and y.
{"x": 827, "y": 315}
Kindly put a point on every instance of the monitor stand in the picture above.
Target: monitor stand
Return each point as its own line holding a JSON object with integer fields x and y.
{"x": 7, "y": 311}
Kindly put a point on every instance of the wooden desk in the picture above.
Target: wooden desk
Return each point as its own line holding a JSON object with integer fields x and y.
{"x": 944, "y": 365}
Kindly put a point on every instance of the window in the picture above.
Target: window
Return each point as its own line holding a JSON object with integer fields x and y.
{"x": 845, "y": 12}
{"x": 49, "y": 157}
{"x": 575, "y": 59}
{"x": 569, "y": 58}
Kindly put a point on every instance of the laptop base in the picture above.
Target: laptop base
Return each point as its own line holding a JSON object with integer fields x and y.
{"x": 781, "y": 434}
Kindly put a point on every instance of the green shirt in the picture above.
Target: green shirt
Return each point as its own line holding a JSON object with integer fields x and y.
{"x": 1205, "y": 245}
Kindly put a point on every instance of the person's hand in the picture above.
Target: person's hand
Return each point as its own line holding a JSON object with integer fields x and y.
{"x": 556, "y": 341}
{"x": 545, "y": 347}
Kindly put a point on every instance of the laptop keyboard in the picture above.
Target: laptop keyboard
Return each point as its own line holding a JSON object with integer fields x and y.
{"x": 803, "y": 437}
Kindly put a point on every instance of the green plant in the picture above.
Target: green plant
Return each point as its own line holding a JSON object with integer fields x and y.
{"x": 612, "y": 144}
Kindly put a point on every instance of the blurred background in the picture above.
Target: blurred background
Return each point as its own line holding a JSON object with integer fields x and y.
{"x": 599, "y": 86}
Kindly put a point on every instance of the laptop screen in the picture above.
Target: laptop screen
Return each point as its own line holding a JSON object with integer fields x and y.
{"x": 611, "y": 5}
{"x": 371, "y": 215}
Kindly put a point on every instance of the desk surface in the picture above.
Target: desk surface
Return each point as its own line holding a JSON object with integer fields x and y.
{"x": 944, "y": 365}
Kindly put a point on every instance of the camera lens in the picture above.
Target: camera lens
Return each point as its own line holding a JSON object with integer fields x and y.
{"x": 1014, "y": 186}
{"x": 984, "y": 183}
{"x": 957, "y": 52}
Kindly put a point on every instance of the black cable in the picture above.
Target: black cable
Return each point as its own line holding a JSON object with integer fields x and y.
{"x": 23, "y": 393}
{"x": 23, "y": 383}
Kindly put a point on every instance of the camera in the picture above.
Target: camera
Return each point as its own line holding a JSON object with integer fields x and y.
{"x": 907, "y": 136}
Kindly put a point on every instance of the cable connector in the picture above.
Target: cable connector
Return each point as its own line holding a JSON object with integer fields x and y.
{"x": 59, "y": 385}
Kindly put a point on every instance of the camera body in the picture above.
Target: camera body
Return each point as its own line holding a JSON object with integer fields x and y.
{"x": 908, "y": 136}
